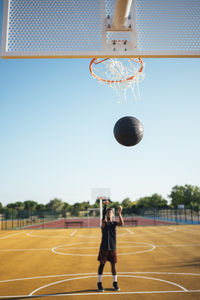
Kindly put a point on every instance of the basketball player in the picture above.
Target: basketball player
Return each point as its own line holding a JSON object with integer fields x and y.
{"x": 107, "y": 250}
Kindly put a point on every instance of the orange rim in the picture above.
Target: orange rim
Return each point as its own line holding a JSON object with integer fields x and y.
{"x": 96, "y": 62}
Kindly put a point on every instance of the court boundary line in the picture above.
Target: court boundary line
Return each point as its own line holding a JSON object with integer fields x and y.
{"x": 71, "y": 248}
{"x": 10, "y": 235}
{"x": 36, "y": 249}
{"x": 94, "y": 276}
{"x": 30, "y": 234}
{"x": 108, "y": 293}
{"x": 131, "y": 232}
{"x": 74, "y": 232}
{"x": 153, "y": 247}
{"x": 124, "y": 233}
{"x": 106, "y": 273}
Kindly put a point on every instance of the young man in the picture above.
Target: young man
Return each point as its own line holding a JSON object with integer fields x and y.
{"x": 107, "y": 250}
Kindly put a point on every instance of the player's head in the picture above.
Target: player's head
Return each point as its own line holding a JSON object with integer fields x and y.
{"x": 109, "y": 214}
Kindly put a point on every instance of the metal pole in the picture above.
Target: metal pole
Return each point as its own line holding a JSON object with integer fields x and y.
{"x": 87, "y": 218}
{"x": 122, "y": 12}
{"x": 154, "y": 217}
{"x": 191, "y": 215}
{"x": 176, "y": 217}
{"x": 101, "y": 212}
{"x": 180, "y": 215}
{"x": 185, "y": 215}
{"x": 2, "y": 222}
{"x": 12, "y": 217}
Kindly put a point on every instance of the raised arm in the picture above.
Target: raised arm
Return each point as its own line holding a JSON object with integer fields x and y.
{"x": 104, "y": 221}
{"x": 121, "y": 221}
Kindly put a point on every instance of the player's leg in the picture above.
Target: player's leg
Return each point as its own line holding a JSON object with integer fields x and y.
{"x": 102, "y": 258}
{"x": 100, "y": 273}
{"x": 114, "y": 273}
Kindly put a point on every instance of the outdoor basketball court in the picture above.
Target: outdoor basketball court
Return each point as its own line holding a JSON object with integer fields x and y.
{"x": 153, "y": 262}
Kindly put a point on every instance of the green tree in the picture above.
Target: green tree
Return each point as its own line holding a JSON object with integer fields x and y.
{"x": 65, "y": 209}
{"x": 188, "y": 195}
{"x": 16, "y": 207}
{"x": 84, "y": 205}
{"x": 127, "y": 206}
{"x": 40, "y": 210}
{"x": 154, "y": 201}
{"x": 126, "y": 203}
{"x": 142, "y": 202}
{"x": 115, "y": 205}
{"x": 7, "y": 213}
{"x": 30, "y": 205}
{"x": 10, "y": 213}
{"x": 96, "y": 204}
{"x": 40, "y": 207}
{"x": 74, "y": 211}
{"x": 55, "y": 205}
{"x": 158, "y": 201}
{"x": 1, "y": 207}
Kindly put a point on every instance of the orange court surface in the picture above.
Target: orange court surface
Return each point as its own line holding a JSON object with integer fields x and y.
{"x": 157, "y": 262}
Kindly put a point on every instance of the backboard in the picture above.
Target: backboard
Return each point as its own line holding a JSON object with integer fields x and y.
{"x": 96, "y": 28}
{"x": 99, "y": 193}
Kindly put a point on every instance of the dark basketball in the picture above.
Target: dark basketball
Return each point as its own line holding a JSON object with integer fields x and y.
{"x": 128, "y": 131}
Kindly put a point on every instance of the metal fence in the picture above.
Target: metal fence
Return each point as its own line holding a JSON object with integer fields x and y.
{"x": 143, "y": 217}
{"x": 171, "y": 215}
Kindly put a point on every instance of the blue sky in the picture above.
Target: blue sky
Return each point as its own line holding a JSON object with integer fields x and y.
{"x": 56, "y": 131}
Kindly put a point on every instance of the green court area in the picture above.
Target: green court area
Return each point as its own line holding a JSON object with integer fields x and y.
{"x": 153, "y": 262}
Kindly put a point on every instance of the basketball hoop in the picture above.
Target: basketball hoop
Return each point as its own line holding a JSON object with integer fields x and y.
{"x": 119, "y": 73}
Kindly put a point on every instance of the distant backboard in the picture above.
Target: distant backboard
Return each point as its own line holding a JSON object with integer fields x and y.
{"x": 93, "y": 28}
{"x": 98, "y": 193}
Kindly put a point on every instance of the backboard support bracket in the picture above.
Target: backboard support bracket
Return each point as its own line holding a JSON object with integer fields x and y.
{"x": 121, "y": 34}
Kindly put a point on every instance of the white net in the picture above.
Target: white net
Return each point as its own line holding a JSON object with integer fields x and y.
{"x": 121, "y": 74}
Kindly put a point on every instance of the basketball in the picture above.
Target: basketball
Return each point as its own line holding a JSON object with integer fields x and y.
{"x": 128, "y": 131}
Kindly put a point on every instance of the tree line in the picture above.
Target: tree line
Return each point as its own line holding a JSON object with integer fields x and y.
{"x": 187, "y": 195}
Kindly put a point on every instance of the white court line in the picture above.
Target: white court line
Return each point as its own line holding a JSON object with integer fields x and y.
{"x": 106, "y": 273}
{"x": 188, "y": 229}
{"x": 85, "y": 277}
{"x": 131, "y": 232}
{"x": 156, "y": 232}
{"x": 46, "y": 236}
{"x": 179, "y": 245}
{"x": 98, "y": 235}
{"x": 152, "y": 247}
{"x": 89, "y": 236}
{"x": 73, "y": 233}
{"x": 97, "y": 247}
{"x": 12, "y": 250}
{"x": 7, "y": 236}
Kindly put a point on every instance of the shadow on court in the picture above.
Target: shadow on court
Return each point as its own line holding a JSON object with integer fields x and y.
{"x": 59, "y": 294}
{"x": 194, "y": 263}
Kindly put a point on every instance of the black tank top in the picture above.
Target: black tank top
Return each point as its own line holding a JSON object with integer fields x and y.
{"x": 109, "y": 236}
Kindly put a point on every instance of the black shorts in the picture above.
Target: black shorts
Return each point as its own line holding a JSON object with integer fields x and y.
{"x": 107, "y": 255}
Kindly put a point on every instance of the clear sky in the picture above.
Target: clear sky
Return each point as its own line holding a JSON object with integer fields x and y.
{"x": 56, "y": 131}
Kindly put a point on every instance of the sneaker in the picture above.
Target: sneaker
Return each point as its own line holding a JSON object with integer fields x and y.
{"x": 100, "y": 287}
{"x": 115, "y": 286}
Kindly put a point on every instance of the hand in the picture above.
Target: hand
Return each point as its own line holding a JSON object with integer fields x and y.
{"x": 106, "y": 202}
{"x": 120, "y": 209}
